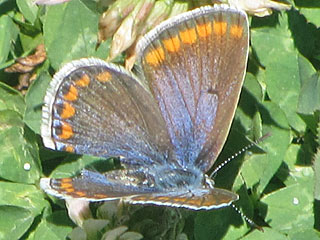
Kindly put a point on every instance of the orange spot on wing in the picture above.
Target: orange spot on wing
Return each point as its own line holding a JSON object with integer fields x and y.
{"x": 69, "y": 190}
{"x": 236, "y": 31}
{"x": 66, "y": 185}
{"x": 66, "y": 131}
{"x": 66, "y": 180}
{"x": 67, "y": 111}
{"x": 155, "y": 56}
{"x": 188, "y": 36}
{"x": 69, "y": 148}
{"x": 209, "y": 203}
{"x": 72, "y": 94}
{"x": 194, "y": 202}
{"x": 100, "y": 196}
{"x": 162, "y": 198}
{"x": 172, "y": 44}
{"x": 83, "y": 81}
{"x": 204, "y": 30}
{"x": 139, "y": 198}
{"x": 220, "y": 28}
{"x": 80, "y": 194}
{"x": 104, "y": 77}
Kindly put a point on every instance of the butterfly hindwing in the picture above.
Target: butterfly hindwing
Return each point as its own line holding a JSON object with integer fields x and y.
{"x": 95, "y": 186}
{"x": 197, "y": 199}
{"x": 128, "y": 184}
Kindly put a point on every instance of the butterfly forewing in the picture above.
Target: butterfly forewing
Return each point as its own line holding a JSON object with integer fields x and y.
{"x": 195, "y": 66}
{"x": 93, "y": 107}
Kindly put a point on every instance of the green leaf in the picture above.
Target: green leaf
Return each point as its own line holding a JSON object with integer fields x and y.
{"x": 138, "y": 236}
{"x": 30, "y": 42}
{"x": 310, "y": 10}
{"x": 309, "y": 99}
{"x": 260, "y": 168}
{"x": 257, "y": 126}
{"x": 3, "y": 1}
{"x": 25, "y": 196}
{"x": 290, "y": 209}
{"x": 251, "y": 96}
{"x": 94, "y": 227}
{"x": 312, "y": 15}
{"x": 70, "y": 32}
{"x": 11, "y": 99}
{"x": 78, "y": 234}
{"x": 34, "y": 100}
{"x": 55, "y": 226}
{"x": 217, "y": 223}
{"x": 28, "y": 9}
{"x": 8, "y": 35}
{"x": 316, "y": 167}
{"x": 14, "y": 221}
{"x": 303, "y": 234}
{"x": 73, "y": 164}
{"x": 267, "y": 234}
{"x": 19, "y": 150}
{"x": 276, "y": 51}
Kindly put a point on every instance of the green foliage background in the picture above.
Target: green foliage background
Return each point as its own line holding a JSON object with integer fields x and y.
{"x": 278, "y": 182}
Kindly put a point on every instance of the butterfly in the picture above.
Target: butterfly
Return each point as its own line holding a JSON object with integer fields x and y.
{"x": 167, "y": 125}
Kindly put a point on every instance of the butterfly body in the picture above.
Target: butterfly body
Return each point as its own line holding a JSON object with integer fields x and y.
{"x": 168, "y": 125}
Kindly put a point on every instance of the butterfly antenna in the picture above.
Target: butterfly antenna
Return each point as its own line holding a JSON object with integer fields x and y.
{"x": 248, "y": 220}
{"x": 229, "y": 159}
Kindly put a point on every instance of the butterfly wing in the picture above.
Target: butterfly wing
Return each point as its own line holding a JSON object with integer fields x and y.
{"x": 94, "y": 107}
{"x": 197, "y": 199}
{"x": 94, "y": 186}
{"x": 195, "y": 66}
{"x": 136, "y": 187}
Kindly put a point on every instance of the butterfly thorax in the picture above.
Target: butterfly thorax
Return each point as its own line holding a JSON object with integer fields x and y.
{"x": 169, "y": 178}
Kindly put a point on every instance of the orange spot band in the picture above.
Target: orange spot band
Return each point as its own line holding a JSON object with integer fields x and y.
{"x": 66, "y": 185}
{"x": 204, "y": 30}
{"x": 196, "y": 202}
{"x": 155, "y": 56}
{"x": 172, "y": 44}
{"x": 104, "y": 77}
{"x": 188, "y": 36}
{"x": 66, "y": 131}
{"x": 72, "y": 94}
{"x": 66, "y": 180}
{"x": 162, "y": 198}
{"x": 220, "y": 28}
{"x": 80, "y": 194}
{"x": 69, "y": 190}
{"x": 100, "y": 195}
{"x": 68, "y": 111}
{"x": 83, "y": 81}
{"x": 236, "y": 31}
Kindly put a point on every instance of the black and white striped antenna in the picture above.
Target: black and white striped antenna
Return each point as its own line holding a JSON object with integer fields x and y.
{"x": 229, "y": 159}
{"x": 214, "y": 172}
